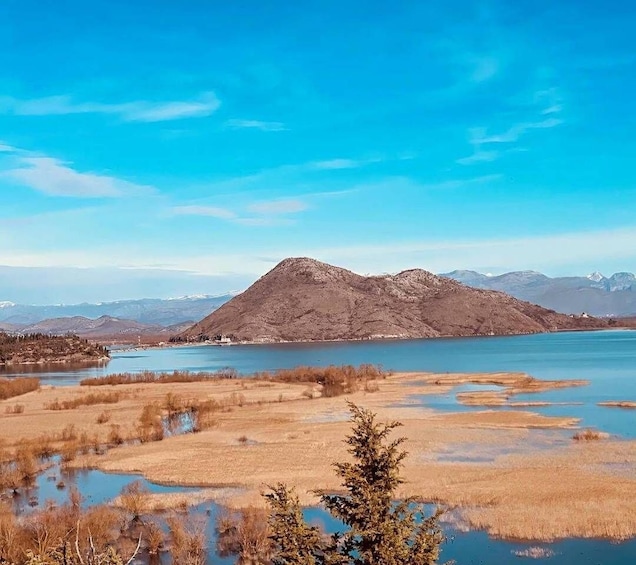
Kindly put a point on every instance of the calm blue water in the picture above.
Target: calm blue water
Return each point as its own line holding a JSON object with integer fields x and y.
{"x": 95, "y": 486}
{"x": 606, "y": 358}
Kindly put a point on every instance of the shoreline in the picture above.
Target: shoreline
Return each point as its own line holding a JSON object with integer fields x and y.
{"x": 374, "y": 339}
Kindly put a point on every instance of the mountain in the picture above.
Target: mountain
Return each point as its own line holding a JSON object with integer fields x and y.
{"x": 150, "y": 311}
{"x": 303, "y": 299}
{"x": 595, "y": 294}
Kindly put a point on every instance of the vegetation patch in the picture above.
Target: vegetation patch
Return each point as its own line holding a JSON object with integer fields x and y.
{"x": 335, "y": 380}
{"x": 589, "y": 435}
{"x": 149, "y": 377}
{"x": 43, "y": 348}
{"x": 88, "y": 400}
{"x": 10, "y": 388}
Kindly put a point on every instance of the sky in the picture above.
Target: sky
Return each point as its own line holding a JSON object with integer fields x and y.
{"x": 158, "y": 148}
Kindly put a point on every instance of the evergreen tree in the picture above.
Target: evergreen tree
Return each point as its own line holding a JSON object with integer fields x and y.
{"x": 381, "y": 530}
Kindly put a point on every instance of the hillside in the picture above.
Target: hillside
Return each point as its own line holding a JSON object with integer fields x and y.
{"x": 304, "y": 300}
{"x": 40, "y": 348}
{"x": 595, "y": 294}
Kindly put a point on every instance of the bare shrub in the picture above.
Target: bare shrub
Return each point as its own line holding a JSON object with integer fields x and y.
{"x": 245, "y": 534}
{"x": 134, "y": 499}
{"x": 150, "y": 427}
{"x": 115, "y": 436}
{"x": 187, "y": 537}
{"x": 103, "y": 417}
{"x": 15, "y": 409}
{"x": 69, "y": 433}
{"x": 155, "y": 538}
{"x": 26, "y": 463}
{"x": 589, "y": 435}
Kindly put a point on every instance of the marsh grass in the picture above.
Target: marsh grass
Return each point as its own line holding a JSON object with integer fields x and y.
{"x": 10, "y": 388}
{"x": 14, "y": 409}
{"x": 334, "y": 380}
{"x": 87, "y": 400}
{"x": 149, "y": 377}
{"x": 589, "y": 435}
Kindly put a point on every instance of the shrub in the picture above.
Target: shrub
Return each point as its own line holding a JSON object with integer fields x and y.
{"x": 245, "y": 534}
{"x": 15, "y": 409}
{"x": 103, "y": 417}
{"x": 381, "y": 531}
{"x": 589, "y": 435}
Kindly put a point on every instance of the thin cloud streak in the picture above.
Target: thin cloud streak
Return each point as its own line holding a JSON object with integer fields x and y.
{"x": 210, "y": 211}
{"x": 275, "y": 207}
{"x": 138, "y": 111}
{"x": 256, "y": 124}
{"x": 56, "y": 178}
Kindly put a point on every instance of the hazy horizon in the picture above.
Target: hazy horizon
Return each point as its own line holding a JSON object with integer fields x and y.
{"x": 75, "y": 286}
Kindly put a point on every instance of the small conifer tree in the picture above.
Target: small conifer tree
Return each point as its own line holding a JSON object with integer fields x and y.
{"x": 381, "y": 530}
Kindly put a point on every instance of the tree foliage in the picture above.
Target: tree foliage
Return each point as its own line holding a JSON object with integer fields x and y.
{"x": 380, "y": 530}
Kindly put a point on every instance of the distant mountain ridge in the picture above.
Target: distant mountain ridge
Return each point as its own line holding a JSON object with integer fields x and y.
{"x": 102, "y": 327}
{"x": 151, "y": 311}
{"x": 594, "y": 294}
{"x": 302, "y": 299}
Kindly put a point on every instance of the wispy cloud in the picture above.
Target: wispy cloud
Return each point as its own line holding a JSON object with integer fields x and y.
{"x": 138, "y": 111}
{"x": 57, "y": 178}
{"x": 482, "y": 140}
{"x": 275, "y": 207}
{"x": 256, "y": 124}
{"x": 479, "y": 156}
{"x": 483, "y": 68}
{"x": 209, "y": 211}
{"x": 335, "y": 164}
{"x": 273, "y": 212}
{"x": 461, "y": 183}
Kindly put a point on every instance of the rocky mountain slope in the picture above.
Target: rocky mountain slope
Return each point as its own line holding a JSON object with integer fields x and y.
{"x": 595, "y": 294}
{"x": 303, "y": 299}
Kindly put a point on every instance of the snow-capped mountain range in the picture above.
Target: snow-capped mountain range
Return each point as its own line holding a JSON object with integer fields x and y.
{"x": 594, "y": 294}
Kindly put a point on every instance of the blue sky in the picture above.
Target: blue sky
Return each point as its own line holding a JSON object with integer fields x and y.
{"x": 157, "y": 148}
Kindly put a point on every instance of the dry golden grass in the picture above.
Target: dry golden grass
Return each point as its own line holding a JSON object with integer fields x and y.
{"x": 511, "y": 384}
{"x": 87, "y": 400}
{"x": 10, "y": 388}
{"x": 572, "y": 489}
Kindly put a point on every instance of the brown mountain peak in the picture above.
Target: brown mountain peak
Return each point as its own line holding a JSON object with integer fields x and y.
{"x": 302, "y": 299}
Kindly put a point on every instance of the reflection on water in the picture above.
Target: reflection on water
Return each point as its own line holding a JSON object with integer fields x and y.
{"x": 96, "y": 487}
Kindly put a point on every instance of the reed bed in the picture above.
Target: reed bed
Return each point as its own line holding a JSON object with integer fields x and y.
{"x": 87, "y": 400}
{"x": 149, "y": 377}
{"x": 335, "y": 380}
{"x": 10, "y": 388}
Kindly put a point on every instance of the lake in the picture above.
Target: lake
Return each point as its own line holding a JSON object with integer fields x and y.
{"x": 606, "y": 358}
